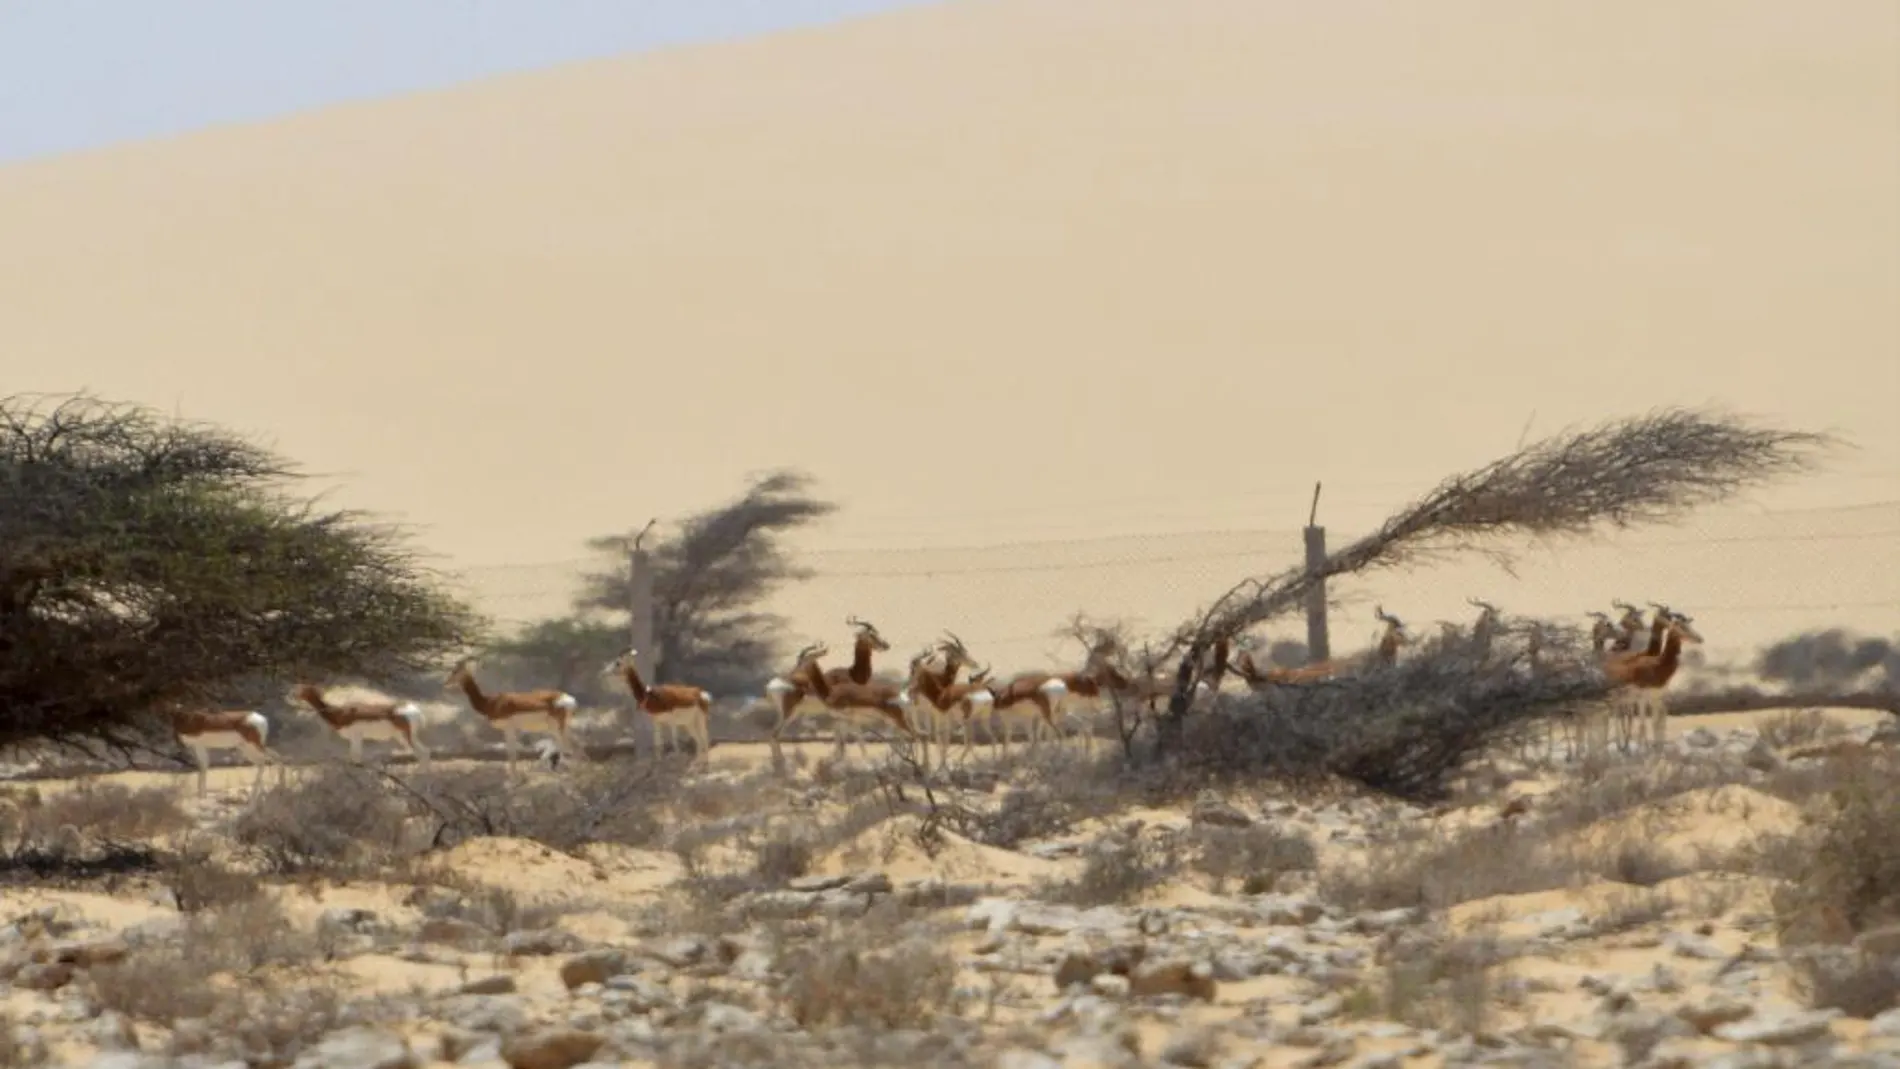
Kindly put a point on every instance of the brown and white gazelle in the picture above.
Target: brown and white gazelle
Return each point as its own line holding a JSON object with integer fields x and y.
{"x": 241, "y": 731}
{"x": 879, "y": 703}
{"x": 547, "y": 711}
{"x": 794, "y": 697}
{"x": 672, "y": 707}
{"x": 360, "y": 722}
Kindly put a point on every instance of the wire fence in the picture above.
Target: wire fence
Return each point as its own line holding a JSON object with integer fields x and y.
{"x": 1747, "y": 577}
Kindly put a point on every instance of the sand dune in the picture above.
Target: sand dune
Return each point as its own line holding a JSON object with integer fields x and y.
{"x": 1042, "y": 258}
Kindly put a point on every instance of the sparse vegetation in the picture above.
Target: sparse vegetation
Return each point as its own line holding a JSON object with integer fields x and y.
{"x": 1257, "y": 858}
{"x": 869, "y": 974}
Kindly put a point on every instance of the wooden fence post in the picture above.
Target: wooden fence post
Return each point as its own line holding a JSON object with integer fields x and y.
{"x": 640, "y": 605}
{"x": 1318, "y": 646}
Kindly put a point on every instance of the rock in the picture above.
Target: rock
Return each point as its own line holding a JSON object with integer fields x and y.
{"x": 85, "y": 955}
{"x": 1789, "y": 1030}
{"x": 452, "y": 931}
{"x": 1023, "y": 1058}
{"x": 993, "y": 915}
{"x": 1885, "y": 1024}
{"x": 112, "y": 1030}
{"x": 453, "y": 1045}
{"x": 869, "y": 883}
{"x": 592, "y": 967}
{"x": 1322, "y": 1009}
{"x": 679, "y": 952}
{"x": 1080, "y": 966}
{"x": 539, "y": 942}
{"x": 1693, "y": 946}
{"x": 485, "y": 1013}
{"x": 1713, "y": 1012}
{"x": 1880, "y": 943}
{"x": 551, "y": 1048}
{"x": 1109, "y": 985}
{"x": 640, "y": 994}
{"x": 814, "y": 884}
{"x": 360, "y": 1048}
{"x": 1193, "y": 1047}
{"x": 1215, "y": 813}
{"x": 1701, "y": 738}
{"x": 498, "y": 984}
{"x": 1286, "y": 910}
{"x": 724, "y": 1017}
{"x": 1177, "y": 977}
{"x": 348, "y": 920}
{"x": 44, "y": 976}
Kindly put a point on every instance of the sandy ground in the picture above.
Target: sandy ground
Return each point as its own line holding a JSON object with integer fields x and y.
{"x": 602, "y": 891}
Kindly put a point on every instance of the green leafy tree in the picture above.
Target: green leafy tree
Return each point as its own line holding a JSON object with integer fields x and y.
{"x": 148, "y": 564}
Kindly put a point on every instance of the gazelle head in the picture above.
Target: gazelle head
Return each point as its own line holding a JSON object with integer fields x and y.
{"x": 923, "y": 656}
{"x": 1663, "y": 612}
{"x": 1486, "y": 610}
{"x": 979, "y": 677}
{"x": 1393, "y": 625}
{"x": 867, "y": 634}
{"x": 1602, "y": 630}
{"x": 955, "y": 653}
{"x": 1632, "y": 620}
{"x": 809, "y": 655}
{"x": 619, "y": 664}
{"x": 464, "y": 669}
{"x": 1684, "y": 628}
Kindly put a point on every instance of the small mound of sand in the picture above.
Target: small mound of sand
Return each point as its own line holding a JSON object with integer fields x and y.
{"x": 893, "y": 848}
{"x": 521, "y": 866}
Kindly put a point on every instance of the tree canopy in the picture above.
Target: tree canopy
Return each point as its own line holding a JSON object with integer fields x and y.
{"x": 148, "y": 564}
{"x": 710, "y": 574}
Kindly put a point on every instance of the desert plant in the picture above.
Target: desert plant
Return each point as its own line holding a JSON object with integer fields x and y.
{"x": 148, "y": 564}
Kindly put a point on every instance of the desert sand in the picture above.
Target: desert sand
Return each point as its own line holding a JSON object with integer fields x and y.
{"x": 1093, "y": 268}
{"x": 1631, "y": 912}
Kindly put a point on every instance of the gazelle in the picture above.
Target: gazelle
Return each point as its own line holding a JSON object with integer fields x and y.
{"x": 1385, "y": 651}
{"x": 547, "y": 711}
{"x": 358, "y": 722}
{"x": 1042, "y": 701}
{"x": 1647, "y": 674}
{"x": 950, "y": 703}
{"x": 878, "y": 703}
{"x": 672, "y": 707}
{"x": 241, "y": 731}
{"x": 793, "y": 696}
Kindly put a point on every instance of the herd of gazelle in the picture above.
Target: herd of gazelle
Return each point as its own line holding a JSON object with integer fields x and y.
{"x": 1035, "y": 704}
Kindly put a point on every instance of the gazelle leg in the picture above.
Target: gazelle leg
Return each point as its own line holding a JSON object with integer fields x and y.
{"x": 203, "y": 761}
{"x": 356, "y": 748}
{"x": 508, "y": 745}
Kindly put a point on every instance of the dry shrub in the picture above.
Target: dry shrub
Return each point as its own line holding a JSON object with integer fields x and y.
{"x": 336, "y": 820}
{"x": 1631, "y": 910}
{"x": 92, "y": 830}
{"x": 1841, "y": 869}
{"x": 1257, "y": 856}
{"x": 112, "y": 812}
{"x": 1430, "y": 979}
{"x": 444, "y": 895}
{"x": 1116, "y": 870}
{"x": 1635, "y": 860}
{"x": 1422, "y": 869}
{"x": 1855, "y": 981}
{"x": 1623, "y": 788}
{"x": 166, "y": 982}
{"x": 1055, "y": 792}
{"x": 1798, "y": 727}
{"x": 199, "y": 881}
{"x": 614, "y": 801}
{"x": 870, "y": 973}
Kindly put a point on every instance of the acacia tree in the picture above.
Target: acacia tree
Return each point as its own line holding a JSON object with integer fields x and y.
{"x": 710, "y": 576}
{"x": 148, "y": 564}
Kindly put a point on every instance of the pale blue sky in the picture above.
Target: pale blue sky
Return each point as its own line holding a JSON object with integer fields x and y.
{"x": 76, "y": 74}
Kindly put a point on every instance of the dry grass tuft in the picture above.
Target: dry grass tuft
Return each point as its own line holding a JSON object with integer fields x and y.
{"x": 871, "y": 973}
